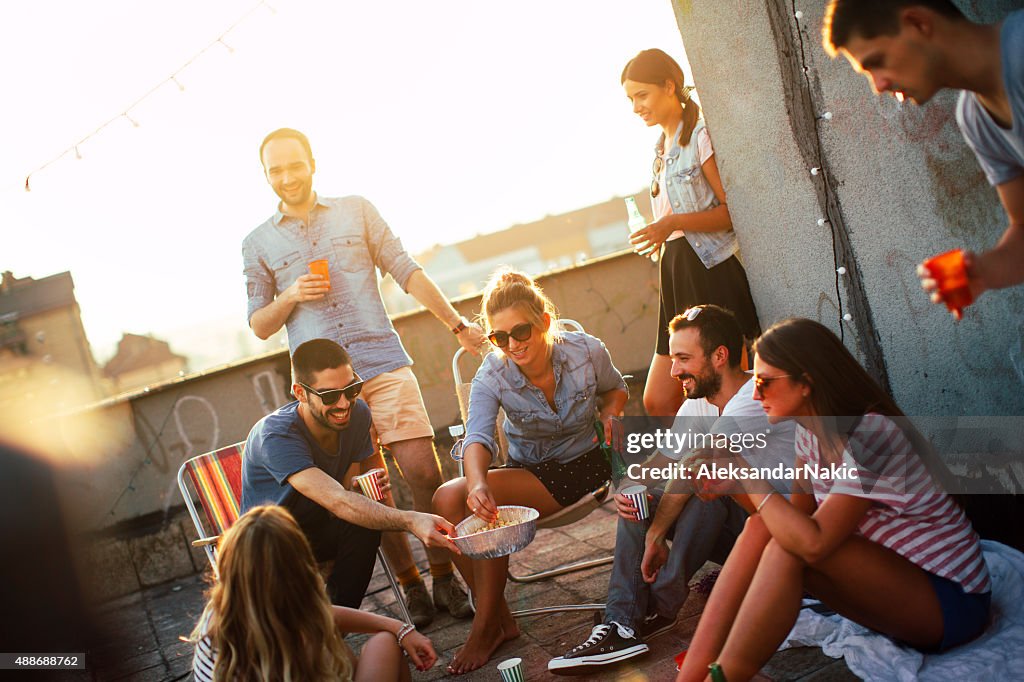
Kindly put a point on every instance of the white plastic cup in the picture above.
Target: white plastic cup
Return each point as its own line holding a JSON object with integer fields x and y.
{"x": 370, "y": 484}
{"x": 637, "y": 494}
{"x": 512, "y": 670}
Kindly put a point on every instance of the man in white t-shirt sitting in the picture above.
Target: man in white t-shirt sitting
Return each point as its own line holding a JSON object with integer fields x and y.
{"x": 648, "y": 584}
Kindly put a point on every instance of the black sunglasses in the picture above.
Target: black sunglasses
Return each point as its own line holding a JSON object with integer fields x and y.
{"x": 520, "y": 332}
{"x": 333, "y": 395}
{"x": 659, "y": 163}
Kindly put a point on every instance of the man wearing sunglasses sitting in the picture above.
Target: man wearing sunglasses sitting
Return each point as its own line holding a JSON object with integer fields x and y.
{"x": 303, "y": 457}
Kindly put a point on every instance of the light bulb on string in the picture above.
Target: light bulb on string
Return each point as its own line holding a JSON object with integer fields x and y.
{"x": 181, "y": 87}
{"x": 827, "y": 116}
{"x": 799, "y": 15}
{"x": 78, "y": 154}
{"x": 821, "y": 222}
{"x": 847, "y": 317}
{"x": 815, "y": 170}
{"x": 135, "y": 124}
{"x": 227, "y": 47}
{"x": 841, "y": 270}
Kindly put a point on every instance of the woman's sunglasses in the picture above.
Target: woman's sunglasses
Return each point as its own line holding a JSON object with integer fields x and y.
{"x": 333, "y": 395}
{"x": 761, "y": 383}
{"x": 659, "y": 163}
{"x": 520, "y": 332}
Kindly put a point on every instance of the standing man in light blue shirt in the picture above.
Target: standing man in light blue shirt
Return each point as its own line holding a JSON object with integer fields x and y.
{"x": 346, "y": 307}
{"x": 914, "y": 49}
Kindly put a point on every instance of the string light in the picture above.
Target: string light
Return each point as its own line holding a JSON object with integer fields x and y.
{"x": 848, "y": 317}
{"x": 821, "y": 222}
{"x": 815, "y": 170}
{"x": 841, "y": 270}
{"x": 172, "y": 79}
{"x": 799, "y": 15}
{"x": 827, "y": 116}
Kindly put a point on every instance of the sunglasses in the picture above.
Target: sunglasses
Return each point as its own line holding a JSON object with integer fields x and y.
{"x": 690, "y": 314}
{"x": 761, "y": 383}
{"x": 333, "y": 395}
{"x": 520, "y": 332}
{"x": 659, "y": 164}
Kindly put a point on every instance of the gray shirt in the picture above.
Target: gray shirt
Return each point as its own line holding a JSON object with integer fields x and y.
{"x": 355, "y": 240}
{"x": 1000, "y": 151}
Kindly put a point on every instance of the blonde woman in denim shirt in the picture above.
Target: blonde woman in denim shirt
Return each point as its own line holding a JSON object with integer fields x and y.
{"x": 552, "y": 386}
{"x": 699, "y": 264}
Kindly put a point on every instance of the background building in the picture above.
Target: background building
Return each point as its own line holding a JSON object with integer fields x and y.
{"x": 43, "y": 346}
{"x": 552, "y": 243}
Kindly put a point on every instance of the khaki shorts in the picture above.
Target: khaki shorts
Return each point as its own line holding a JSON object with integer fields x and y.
{"x": 397, "y": 406}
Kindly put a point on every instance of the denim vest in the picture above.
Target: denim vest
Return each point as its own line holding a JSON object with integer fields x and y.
{"x": 689, "y": 192}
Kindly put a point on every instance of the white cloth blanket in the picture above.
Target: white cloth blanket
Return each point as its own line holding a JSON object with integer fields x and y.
{"x": 997, "y": 655}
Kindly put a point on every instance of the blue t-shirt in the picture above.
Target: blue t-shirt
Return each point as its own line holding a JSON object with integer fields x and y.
{"x": 280, "y": 445}
{"x": 1000, "y": 151}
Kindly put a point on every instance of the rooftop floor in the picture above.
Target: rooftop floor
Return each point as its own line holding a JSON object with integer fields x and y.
{"x": 144, "y": 627}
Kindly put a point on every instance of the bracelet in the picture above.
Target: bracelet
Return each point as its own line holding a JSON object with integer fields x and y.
{"x": 406, "y": 629}
{"x": 764, "y": 500}
{"x": 457, "y": 329}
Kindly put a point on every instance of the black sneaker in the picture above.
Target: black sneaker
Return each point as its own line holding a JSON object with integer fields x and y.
{"x": 608, "y": 644}
{"x": 655, "y": 625}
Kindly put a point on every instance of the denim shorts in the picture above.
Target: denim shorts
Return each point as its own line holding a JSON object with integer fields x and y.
{"x": 964, "y": 616}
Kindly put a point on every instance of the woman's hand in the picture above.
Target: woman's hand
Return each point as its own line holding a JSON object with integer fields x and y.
{"x": 613, "y": 432}
{"x": 649, "y": 239}
{"x": 420, "y": 649}
{"x": 481, "y": 502}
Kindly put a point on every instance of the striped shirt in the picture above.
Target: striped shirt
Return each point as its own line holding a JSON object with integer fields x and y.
{"x": 909, "y": 513}
{"x": 205, "y": 656}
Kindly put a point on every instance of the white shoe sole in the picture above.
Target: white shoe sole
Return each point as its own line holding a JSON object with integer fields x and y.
{"x": 563, "y": 665}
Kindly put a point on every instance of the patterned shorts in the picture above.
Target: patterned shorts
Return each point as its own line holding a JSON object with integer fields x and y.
{"x": 568, "y": 482}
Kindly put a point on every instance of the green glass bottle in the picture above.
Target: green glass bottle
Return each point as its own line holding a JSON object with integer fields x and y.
{"x": 618, "y": 466}
{"x": 716, "y": 673}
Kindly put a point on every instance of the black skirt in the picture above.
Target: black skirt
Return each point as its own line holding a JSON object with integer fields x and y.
{"x": 685, "y": 282}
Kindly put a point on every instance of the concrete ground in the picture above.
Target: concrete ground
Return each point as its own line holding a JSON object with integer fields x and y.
{"x": 143, "y": 629}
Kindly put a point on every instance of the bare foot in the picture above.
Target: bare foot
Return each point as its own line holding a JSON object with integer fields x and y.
{"x": 481, "y": 644}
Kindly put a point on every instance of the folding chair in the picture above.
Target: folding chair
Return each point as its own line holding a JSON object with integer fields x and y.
{"x": 570, "y": 514}
{"x": 216, "y": 479}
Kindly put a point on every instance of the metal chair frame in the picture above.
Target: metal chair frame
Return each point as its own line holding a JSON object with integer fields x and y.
{"x": 209, "y": 541}
{"x": 561, "y": 518}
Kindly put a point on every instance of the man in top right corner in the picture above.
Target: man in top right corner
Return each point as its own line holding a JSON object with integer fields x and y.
{"x": 913, "y": 49}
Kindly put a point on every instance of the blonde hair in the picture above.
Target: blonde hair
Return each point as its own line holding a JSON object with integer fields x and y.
{"x": 510, "y": 288}
{"x": 269, "y": 615}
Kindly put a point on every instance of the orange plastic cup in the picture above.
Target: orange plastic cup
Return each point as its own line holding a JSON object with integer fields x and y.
{"x": 950, "y": 274}
{"x": 319, "y": 267}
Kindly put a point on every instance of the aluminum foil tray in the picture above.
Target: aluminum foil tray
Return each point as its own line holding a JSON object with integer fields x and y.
{"x": 498, "y": 542}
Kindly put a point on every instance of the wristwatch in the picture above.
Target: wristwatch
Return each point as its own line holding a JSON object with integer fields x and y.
{"x": 457, "y": 329}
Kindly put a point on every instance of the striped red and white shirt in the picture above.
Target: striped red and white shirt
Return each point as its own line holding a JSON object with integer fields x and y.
{"x": 910, "y": 514}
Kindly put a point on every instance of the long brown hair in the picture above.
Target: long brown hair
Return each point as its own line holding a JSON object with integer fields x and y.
{"x": 269, "y": 615}
{"x": 655, "y": 67}
{"x": 840, "y": 388}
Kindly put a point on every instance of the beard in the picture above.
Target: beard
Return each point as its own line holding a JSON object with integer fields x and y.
{"x": 705, "y": 385}
{"x": 322, "y": 419}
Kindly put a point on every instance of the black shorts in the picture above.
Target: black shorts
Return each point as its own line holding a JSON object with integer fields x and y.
{"x": 569, "y": 482}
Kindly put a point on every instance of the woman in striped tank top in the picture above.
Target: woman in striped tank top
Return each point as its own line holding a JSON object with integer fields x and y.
{"x": 884, "y": 546}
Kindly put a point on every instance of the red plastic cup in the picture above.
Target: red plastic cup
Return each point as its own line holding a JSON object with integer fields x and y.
{"x": 950, "y": 274}
{"x": 319, "y": 267}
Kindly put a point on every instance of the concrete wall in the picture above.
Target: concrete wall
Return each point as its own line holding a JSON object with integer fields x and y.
{"x": 123, "y": 454}
{"x": 898, "y": 184}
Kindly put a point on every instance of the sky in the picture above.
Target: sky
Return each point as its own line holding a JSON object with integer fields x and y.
{"x": 454, "y": 118}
